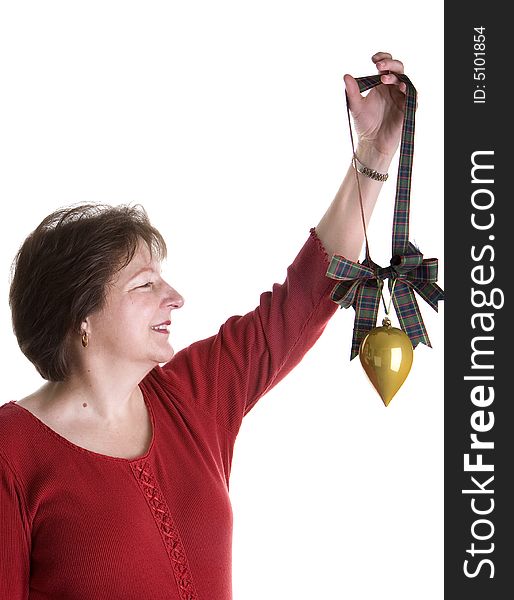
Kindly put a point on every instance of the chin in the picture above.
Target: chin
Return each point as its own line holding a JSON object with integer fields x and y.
{"x": 164, "y": 357}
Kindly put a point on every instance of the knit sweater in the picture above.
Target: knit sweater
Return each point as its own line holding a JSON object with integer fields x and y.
{"x": 79, "y": 525}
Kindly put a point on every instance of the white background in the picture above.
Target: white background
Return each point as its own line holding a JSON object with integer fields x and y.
{"x": 227, "y": 121}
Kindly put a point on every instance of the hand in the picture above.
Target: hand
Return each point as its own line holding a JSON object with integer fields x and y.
{"x": 378, "y": 116}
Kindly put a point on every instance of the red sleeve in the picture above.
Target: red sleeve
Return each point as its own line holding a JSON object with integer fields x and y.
{"x": 227, "y": 373}
{"x": 14, "y": 538}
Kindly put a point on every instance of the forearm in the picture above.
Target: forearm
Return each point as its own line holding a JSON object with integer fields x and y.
{"x": 340, "y": 229}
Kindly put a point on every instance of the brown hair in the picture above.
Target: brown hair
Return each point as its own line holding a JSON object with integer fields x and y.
{"x": 61, "y": 273}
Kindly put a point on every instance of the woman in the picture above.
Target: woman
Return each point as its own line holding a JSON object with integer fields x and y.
{"x": 114, "y": 475}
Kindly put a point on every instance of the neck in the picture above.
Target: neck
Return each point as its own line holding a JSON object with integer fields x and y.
{"x": 109, "y": 394}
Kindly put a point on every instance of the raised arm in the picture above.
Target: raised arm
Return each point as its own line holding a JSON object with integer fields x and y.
{"x": 378, "y": 119}
{"x": 226, "y": 374}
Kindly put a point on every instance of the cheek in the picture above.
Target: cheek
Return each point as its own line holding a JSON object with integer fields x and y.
{"x": 139, "y": 309}
{"x": 125, "y": 318}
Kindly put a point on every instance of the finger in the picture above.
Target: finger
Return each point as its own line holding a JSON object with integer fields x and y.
{"x": 352, "y": 89}
{"x": 388, "y": 64}
{"x": 390, "y": 78}
{"x": 380, "y": 56}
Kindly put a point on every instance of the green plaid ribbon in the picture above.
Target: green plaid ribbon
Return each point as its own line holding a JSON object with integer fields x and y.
{"x": 360, "y": 284}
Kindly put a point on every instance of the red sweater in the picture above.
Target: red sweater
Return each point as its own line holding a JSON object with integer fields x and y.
{"x": 79, "y": 525}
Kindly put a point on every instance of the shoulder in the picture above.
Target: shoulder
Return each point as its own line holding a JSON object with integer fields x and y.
{"x": 33, "y": 404}
{"x": 9, "y": 418}
{"x": 157, "y": 384}
{"x": 12, "y": 428}
{"x": 18, "y": 428}
{"x": 36, "y": 403}
{"x": 14, "y": 413}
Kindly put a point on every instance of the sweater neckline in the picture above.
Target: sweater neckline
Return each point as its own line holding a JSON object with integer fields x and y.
{"x": 92, "y": 453}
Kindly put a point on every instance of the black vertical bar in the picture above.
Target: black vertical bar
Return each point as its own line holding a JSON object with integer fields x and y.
{"x": 479, "y": 240}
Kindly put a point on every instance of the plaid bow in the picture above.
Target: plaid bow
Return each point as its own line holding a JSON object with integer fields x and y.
{"x": 360, "y": 284}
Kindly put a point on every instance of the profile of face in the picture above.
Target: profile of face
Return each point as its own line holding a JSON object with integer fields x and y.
{"x": 133, "y": 325}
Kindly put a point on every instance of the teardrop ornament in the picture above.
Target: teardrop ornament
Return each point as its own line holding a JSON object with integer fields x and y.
{"x": 386, "y": 355}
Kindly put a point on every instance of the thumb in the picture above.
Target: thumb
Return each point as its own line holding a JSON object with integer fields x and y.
{"x": 352, "y": 89}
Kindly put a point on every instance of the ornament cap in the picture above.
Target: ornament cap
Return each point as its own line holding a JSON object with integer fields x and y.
{"x": 386, "y": 322}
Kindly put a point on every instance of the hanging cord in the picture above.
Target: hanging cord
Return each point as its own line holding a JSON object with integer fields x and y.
{"x": 380, "y": 282}
{"x": 354, "y": 156}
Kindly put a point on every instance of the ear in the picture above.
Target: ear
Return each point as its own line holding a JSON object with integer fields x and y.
{"x": 85, "y": 326}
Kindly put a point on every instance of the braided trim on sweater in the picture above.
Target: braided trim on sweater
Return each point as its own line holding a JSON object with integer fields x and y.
{"x": 168, "y": 529}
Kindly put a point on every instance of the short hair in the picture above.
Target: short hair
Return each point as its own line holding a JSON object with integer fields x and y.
{"x": 61, "y": 273}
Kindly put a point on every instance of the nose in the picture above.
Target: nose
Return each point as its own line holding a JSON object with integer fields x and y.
{"x": 173, "y": 298}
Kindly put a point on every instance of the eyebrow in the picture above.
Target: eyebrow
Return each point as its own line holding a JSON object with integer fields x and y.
{"x": 141, "y": 271}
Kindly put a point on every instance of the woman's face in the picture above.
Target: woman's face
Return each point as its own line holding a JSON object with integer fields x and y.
{"x": 133, "y": 325}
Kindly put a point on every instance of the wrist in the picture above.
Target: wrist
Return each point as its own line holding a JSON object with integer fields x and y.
{"x": 373, "y": 158}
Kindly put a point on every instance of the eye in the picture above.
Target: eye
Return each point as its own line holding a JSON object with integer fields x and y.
{"x": 148, "y": 284}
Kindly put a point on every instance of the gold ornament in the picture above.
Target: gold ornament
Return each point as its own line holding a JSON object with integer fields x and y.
{"x": 386, "y": 355}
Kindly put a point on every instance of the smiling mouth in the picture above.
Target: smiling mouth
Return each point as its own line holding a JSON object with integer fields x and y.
{"x": 162, "y": 327}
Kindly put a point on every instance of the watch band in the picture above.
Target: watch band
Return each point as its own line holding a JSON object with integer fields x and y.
{"x": 371, "y": 173}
